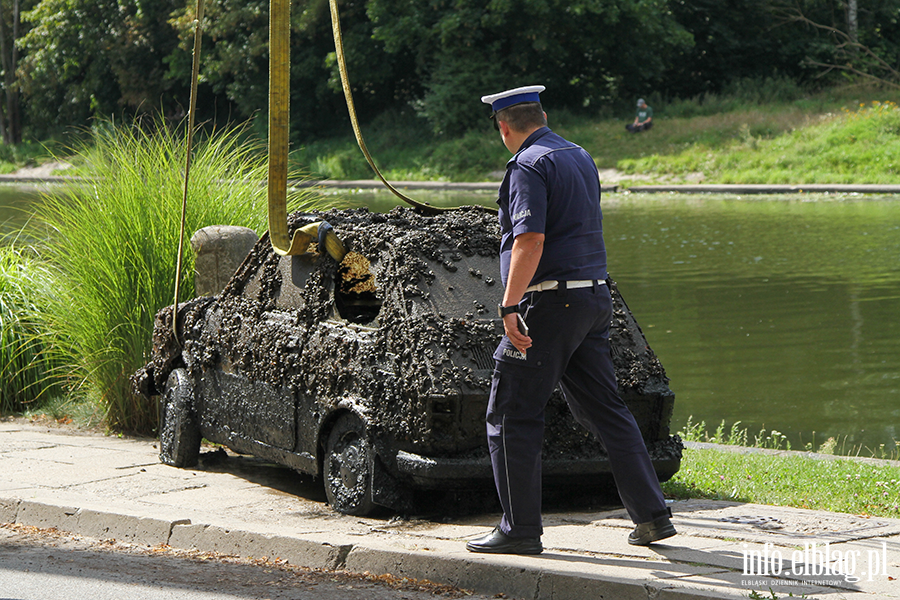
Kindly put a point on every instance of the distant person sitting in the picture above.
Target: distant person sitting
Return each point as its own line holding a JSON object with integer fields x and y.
{"x": 643, "y": 120}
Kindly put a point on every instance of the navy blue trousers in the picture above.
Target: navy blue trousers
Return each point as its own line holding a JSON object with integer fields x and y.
{"x": 570, "y": 335}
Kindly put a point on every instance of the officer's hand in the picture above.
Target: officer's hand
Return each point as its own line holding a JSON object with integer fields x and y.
{"x": 511, "y": 327}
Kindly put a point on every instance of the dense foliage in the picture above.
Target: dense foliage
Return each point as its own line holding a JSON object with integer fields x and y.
{"x": 583, "y": 51}
{"x": 90, "y": 58}
{"x": 25, "y": 363}
{"x": 86, "y": 58}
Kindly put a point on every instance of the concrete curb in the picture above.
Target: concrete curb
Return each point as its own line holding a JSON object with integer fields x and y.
{"x": 435, "y": 186}
{"x": 492, "y": 186}
{"x": 305, "y": 553}
{"x": 741, "y": 188}
{"x": 509, "y": 575}
{"x": 353, "y": 184}
{"x": 349, "y": 184}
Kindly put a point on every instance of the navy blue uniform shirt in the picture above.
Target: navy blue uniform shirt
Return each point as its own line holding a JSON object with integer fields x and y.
{"x": 552, "y": 187}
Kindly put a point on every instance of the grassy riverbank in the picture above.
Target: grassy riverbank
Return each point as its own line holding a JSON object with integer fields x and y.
{"x": 778, "y": 134}
{"x": 859, "y": 144}
{"x": 760, "y": 132}
{"x": 839, "y": 485}
{"x": 26, "y": 154}
{"x": 761, "y": 468}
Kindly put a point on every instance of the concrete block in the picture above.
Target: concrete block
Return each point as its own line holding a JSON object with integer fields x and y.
{"x": 219, "y": 250}
{"x": 307, "y": 554}
{"x": 304, "y": 553}
{"x": 46, "y": 516}
{"x": 482, "y": 577}
{"x": 557, "y": 586}
{"x": 695, "y": 593}
{"x": 8, "y": 509}
{"x": 125, "y": 528}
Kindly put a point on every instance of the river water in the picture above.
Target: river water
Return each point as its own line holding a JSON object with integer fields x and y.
{"x": 781, "y": 312}
{"x": 16, "y": 206}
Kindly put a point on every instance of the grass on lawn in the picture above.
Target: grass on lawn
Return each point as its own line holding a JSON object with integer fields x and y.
{"x": 858, "y": 145}
{"x": 797, "y": 480}
{"x": 839, "y": 485}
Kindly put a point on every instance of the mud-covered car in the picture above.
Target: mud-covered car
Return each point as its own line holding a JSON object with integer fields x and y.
{"x": 374, "y": 373}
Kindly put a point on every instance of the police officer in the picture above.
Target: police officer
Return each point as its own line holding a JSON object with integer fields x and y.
{"x": 556, "y": 314}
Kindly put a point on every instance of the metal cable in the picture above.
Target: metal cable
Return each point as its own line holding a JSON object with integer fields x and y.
{"x": 348, "y": 94}
{"x": 195, "y": 75}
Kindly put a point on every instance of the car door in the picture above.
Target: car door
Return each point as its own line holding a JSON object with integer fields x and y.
{"x": 250, "y": 398}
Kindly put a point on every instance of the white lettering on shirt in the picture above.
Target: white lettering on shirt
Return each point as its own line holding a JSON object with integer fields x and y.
{"x": 522, "y": 214}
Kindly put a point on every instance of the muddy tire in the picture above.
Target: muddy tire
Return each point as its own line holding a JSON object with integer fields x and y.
{"x": 347, "y": 467}
{"x": 179, "y": 431}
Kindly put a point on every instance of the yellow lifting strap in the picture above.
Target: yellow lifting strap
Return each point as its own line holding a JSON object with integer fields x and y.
{"x": 279, "y": 132}
{"x": 279, "y": 129}
{"x": 351, "y": 108}
{"x": 279, "y": 125}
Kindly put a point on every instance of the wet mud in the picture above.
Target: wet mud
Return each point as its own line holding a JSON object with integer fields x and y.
{"x": 400, "y": 333}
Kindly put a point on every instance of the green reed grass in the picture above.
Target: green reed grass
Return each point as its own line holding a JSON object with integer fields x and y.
{"x": 775, "y": 440}
{"x": 25, "y": 363}
{"x": 113, "y": 247}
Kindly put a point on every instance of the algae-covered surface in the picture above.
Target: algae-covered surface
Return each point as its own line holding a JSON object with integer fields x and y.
{"x": 400, "y": 333}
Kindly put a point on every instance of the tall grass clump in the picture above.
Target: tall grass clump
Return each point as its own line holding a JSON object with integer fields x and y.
{"x": 113, "y": 246}
{"x": 25, "y": 357}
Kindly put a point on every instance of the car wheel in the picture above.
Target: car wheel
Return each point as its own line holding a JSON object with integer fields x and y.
{"x": 347, "y": 467}
{"x": 179, "y": 432}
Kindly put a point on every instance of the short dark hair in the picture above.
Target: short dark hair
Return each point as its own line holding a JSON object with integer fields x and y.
{"x": 523, "y": 117}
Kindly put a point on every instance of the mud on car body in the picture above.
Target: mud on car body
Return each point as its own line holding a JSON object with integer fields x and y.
{"x": 375, "y": 373}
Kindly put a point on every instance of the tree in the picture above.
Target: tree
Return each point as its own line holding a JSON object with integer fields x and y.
{"x": 852, "y": 40}
{"x": 236, "y": 54}
{"x": 584, "y": 51}
{"x": 733, "y": 40}
{"x": 10, "y": 32}
{"x": 85, "y": 58}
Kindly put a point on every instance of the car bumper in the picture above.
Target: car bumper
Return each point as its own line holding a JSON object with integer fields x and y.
{"x": 430, "y": 472}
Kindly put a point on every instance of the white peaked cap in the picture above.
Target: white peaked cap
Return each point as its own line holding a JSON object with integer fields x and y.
{"x": 529, "y": 93}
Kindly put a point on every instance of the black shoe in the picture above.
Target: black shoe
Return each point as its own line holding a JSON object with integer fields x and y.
{"x": 497, "y": 542}
{"x": 659, "y": 528}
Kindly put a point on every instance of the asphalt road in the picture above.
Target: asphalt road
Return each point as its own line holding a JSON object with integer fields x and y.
{"x": 41, "y": 564}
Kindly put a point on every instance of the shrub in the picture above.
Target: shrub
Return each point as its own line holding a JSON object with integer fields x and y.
{"x": 114, "y": 247}
{"x": 469, "y": 155}
{"x": 25, "y": 362}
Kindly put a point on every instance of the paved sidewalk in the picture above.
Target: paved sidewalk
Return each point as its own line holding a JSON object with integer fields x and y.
{"x": 107, "y": 487}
